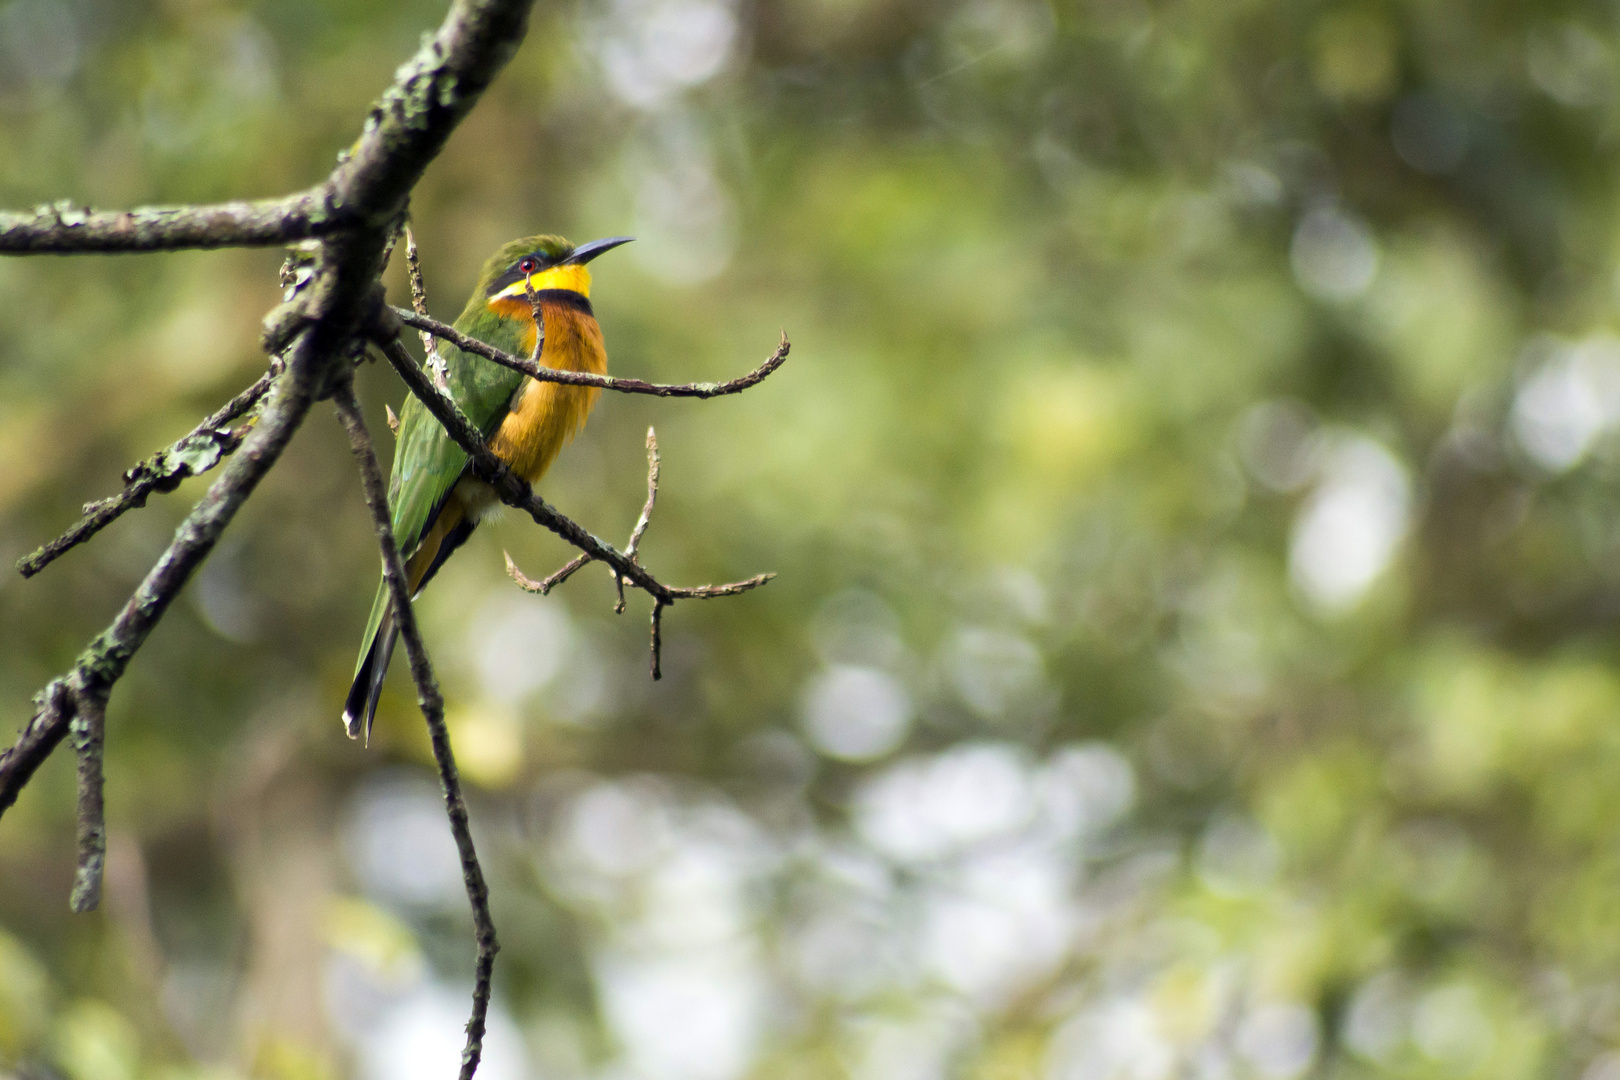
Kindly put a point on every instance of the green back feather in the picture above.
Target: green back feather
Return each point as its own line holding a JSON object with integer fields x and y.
{"x": 427, "y": 462}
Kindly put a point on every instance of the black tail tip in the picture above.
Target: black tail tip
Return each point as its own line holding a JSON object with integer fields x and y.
{"x": 361, "y": 706}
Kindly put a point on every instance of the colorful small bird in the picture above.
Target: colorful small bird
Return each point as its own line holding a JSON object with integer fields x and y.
{"x": 435, "y": 504}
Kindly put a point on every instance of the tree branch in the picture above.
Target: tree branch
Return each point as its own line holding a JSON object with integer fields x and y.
{"x": 61, "y": 228}
{"x": 432, "y": 704}
{"x": 584, "y": 378}
{"x": 197, "y": 452}
{"x": 431, "y": 93}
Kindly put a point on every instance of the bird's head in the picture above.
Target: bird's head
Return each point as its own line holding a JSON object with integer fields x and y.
{"x": 540, "y": 263}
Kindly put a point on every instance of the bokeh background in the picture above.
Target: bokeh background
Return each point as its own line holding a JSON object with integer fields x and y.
{"x": 1194, "y": 493}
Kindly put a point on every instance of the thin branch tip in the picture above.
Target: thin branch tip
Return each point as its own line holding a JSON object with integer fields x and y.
{"x": 533, "y": 369}
{"x": 200, "y": 450}
{"x": 543, "y": 587}
{"x": 658, "y": 639}
{"x": 432, "y": 703}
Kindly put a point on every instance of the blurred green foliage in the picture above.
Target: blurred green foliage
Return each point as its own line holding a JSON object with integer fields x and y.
{"x": 1193, "y": 492}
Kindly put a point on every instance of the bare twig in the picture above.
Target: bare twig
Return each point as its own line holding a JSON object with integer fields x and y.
{"x": 528, "y": 584}
{"x": 336, "y": 299}
{"x": 699, "y": 592}
{"x": 585, "y": 378}
{"x": 644, "y": 520}
{"x": 545, "y": 585}
{"x": 413, "y": 271}
{"x": 657, "y": 638}
{"x": 430, "y": 344}
{"x": 539, "y": 314}
{"x": 432, "y": 703}
{"x": 89, "y": 722}
{"x": 711, "y": 592}
{"x": 653, "y": 467}
{"x": 200, "y": 450}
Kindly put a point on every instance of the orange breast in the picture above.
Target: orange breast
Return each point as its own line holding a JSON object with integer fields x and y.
{"x": 547, "y": 415}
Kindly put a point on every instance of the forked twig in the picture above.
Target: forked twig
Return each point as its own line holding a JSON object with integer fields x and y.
{"x": 432, "y": 704}
{"x": 544, "y": 586}
{"x": 514, "y": 492}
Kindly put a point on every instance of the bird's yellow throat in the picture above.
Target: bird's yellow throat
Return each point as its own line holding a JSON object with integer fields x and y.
{"x": 569, "y": 276}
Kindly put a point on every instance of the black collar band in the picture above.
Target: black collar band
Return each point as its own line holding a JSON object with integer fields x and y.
{"x": 567, "y": 298}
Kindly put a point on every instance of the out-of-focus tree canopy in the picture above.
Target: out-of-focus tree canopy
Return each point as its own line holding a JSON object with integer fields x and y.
{"x": 1193, "y": 490}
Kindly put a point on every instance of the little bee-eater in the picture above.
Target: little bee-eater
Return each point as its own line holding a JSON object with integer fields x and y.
{"x": 435, "y": 504}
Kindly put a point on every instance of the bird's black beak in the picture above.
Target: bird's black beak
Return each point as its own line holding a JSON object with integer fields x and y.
{"x": 586, "y": 252}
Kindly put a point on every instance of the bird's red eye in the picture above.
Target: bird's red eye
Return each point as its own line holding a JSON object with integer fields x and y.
{"x": 528, "y": 264}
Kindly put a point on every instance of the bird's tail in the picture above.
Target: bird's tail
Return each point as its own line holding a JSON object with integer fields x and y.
{"x": 450, "y": 530}
{"x": 376, "y": 649}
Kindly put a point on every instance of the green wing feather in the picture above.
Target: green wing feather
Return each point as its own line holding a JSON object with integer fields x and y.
{"x": 427, "y": 462}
